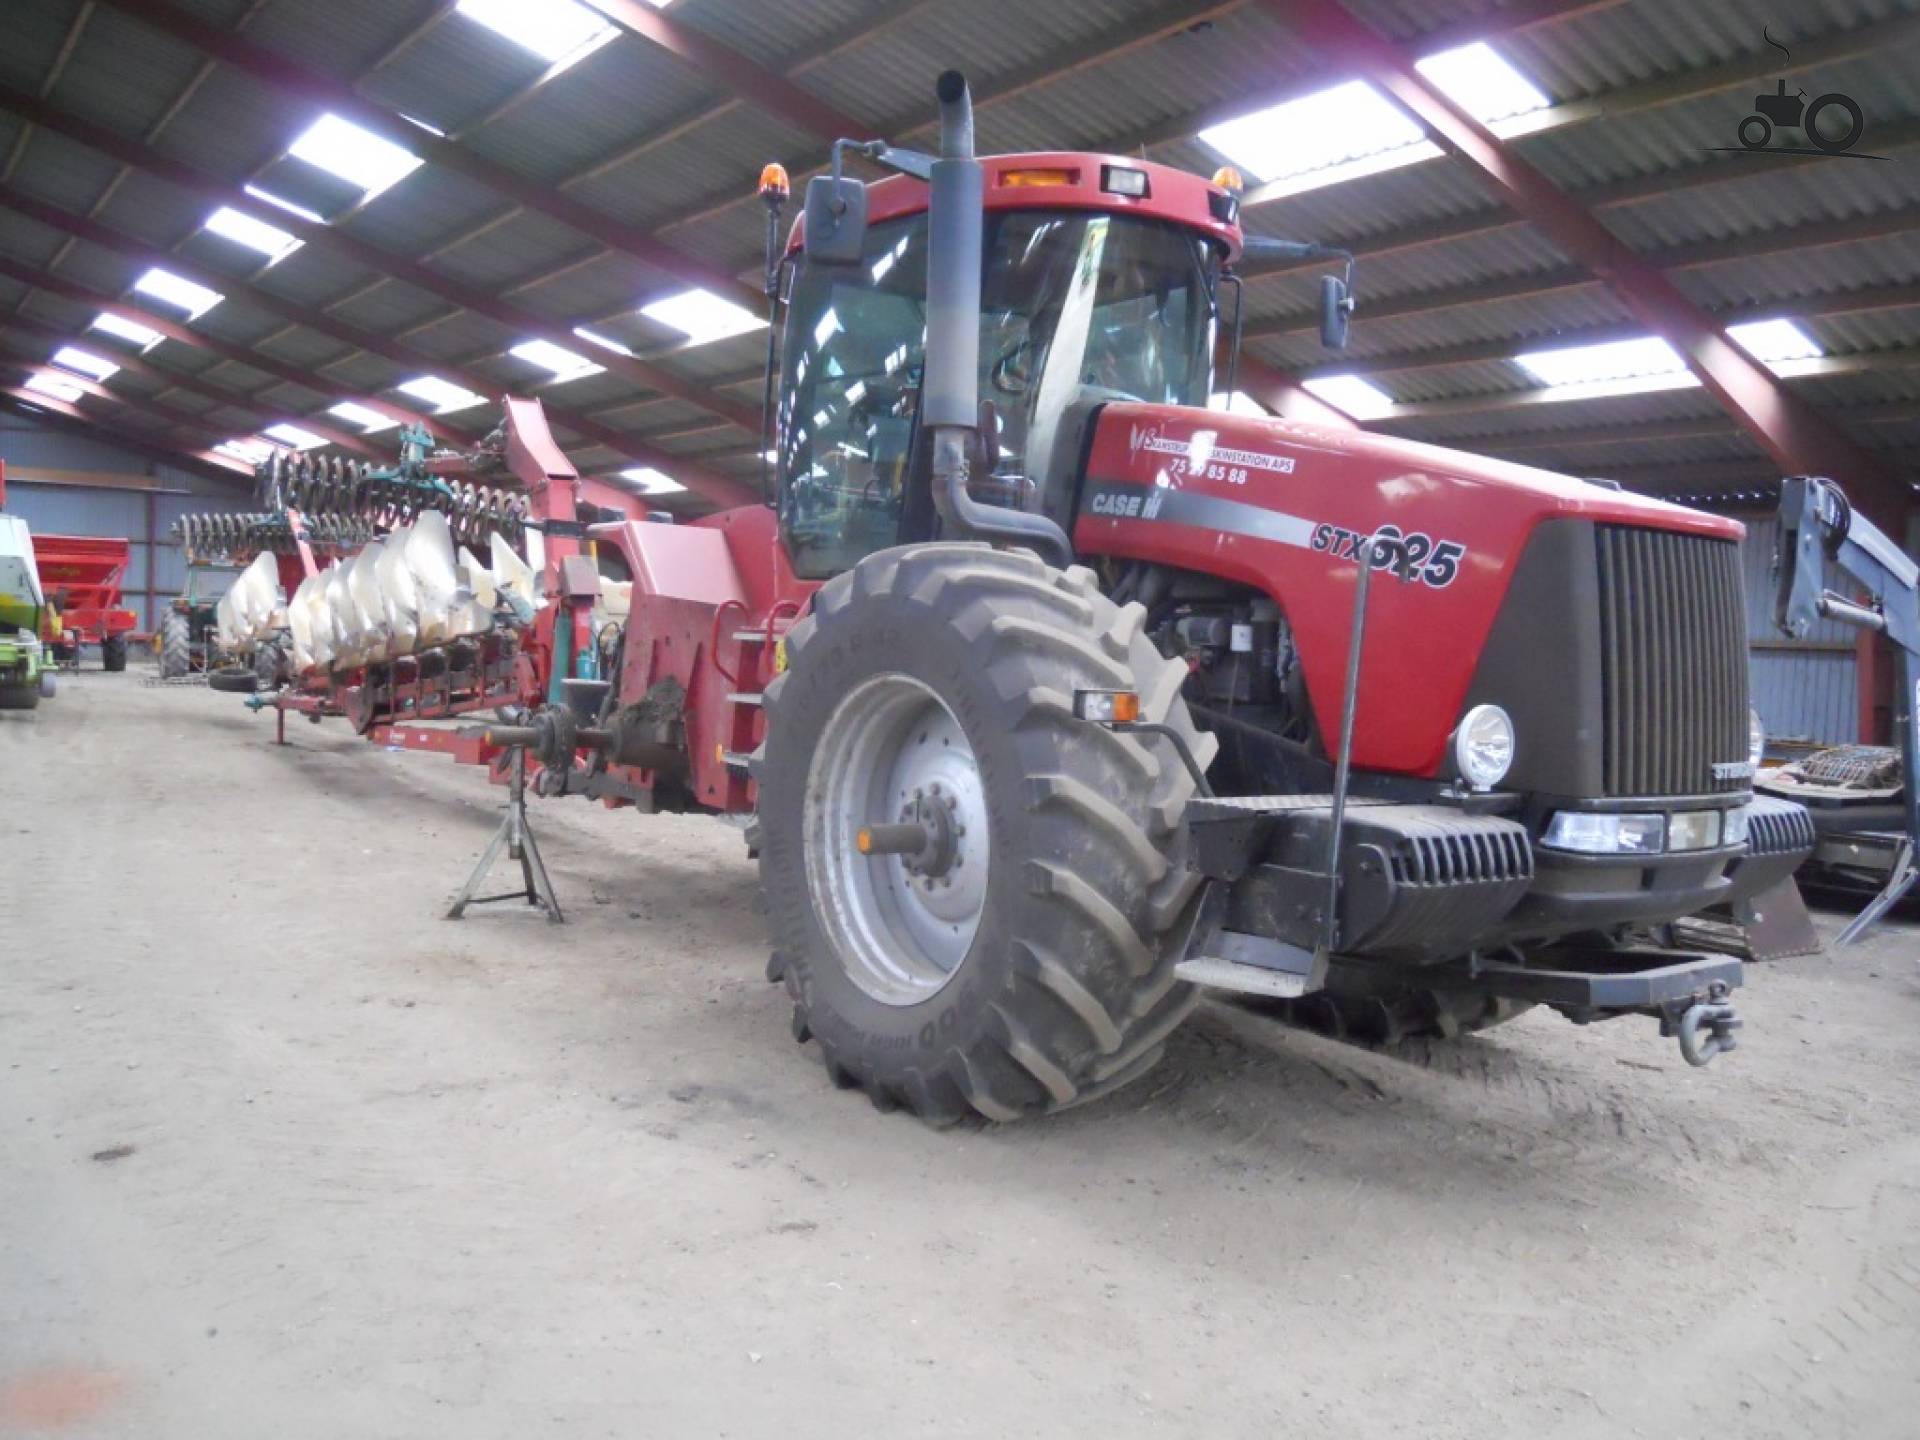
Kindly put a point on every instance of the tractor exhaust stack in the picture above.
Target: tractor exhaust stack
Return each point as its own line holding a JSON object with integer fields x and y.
{"x": 950, "y": 403}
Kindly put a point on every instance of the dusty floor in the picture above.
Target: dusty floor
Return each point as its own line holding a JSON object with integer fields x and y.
{"x": 287, "y": 1154}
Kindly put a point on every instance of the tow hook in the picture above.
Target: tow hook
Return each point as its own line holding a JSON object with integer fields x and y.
{"x": 1705, "y": 1028}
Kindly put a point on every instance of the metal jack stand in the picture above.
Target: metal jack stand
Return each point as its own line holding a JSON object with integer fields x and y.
{"x": 517, "y": 835}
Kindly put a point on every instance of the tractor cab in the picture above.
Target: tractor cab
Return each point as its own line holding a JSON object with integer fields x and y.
{"x": 1100, "y": 281}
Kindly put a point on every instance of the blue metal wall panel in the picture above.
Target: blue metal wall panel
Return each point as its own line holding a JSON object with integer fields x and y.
{"x": 66, "y": 450}
{"x": 1804, "y": 689}
{"x": 69, "y": 510}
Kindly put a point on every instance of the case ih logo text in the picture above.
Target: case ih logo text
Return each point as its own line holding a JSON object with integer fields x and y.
{"x": 1144, "y": 505}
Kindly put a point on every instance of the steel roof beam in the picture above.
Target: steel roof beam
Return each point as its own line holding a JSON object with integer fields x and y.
{"x": 170, "y": 415}
{"x": 295, "y": 82}
{"x": 1160, "y": 22}
{"x": 1701, "y": 427}
{"x": 1786, "y": 241}
{"x": 1797, "y": 437}
{"x": 1634, "y": 99}
{"x": 177, "y": 380}
{"x": 719, "y": 488}
{"x": 1859, "y": 363}
{"x": 1863, "y": 301}
{"x": 891, "y": 13}
{"x": 1491, "y": 25}
{"x": 79, "y": 294}
{"x": 1285, "y": 396}
{"x": 140, "y": 439}
{"x": 68, "y": 43}
{"x": 523, "y": 323}
{"x": 743, "y": 78}
{"x": 1618, "y": 194}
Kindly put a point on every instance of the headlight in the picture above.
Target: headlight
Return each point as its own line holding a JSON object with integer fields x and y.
{"x": 1756, "y": 740}
{"x": 1595, "y": 834}
{"x": 1693, "y": 830}
{"x": 1483, "y": 746}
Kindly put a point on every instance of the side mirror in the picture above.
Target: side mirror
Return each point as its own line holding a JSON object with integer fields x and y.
{"x": 835, "y": 232}
{"x": 1336, "y": 312}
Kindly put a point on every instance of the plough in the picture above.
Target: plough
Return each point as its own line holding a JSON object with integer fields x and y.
{"x": 361, "y": 595}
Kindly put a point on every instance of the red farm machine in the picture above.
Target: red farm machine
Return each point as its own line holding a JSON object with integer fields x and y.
{"x": 1049, "y": 695}
{"x": 82, "y": 575}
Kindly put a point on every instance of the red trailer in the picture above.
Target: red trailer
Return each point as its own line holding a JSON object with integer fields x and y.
{"x": 82, "y": 575}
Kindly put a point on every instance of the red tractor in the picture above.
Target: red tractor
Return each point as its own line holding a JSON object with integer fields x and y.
{"x": 82, "y": 575}
{"x": 1053, "y": 695}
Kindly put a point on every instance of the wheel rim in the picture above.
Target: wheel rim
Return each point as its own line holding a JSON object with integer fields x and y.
{"x": 901, "y": 925}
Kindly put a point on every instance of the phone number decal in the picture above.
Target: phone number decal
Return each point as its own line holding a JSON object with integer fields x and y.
{"x": 1416, "y": 556}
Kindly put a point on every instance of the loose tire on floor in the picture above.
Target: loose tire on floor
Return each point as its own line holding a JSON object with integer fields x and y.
{"x": 1067, "y": 989}
{"x": 176, "y": 646}
{"x": 233, "y": 680}
{"x": 113, "y": 653}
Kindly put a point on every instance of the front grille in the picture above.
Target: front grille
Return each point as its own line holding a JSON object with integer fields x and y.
{"x": 1673, "y": 654}
{"x": 1464, "y": 856}
{"x": 1776, "y": 829}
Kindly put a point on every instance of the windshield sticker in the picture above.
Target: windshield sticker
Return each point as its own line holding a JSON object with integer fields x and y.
{"x": 1198, "y": 455}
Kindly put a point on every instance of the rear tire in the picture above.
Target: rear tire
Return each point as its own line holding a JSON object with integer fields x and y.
{"x": 1066, "y": 990}
{"x": 176, "y": 647}
{"x": 113, "y": 653}
{"x": 20, "y": 697}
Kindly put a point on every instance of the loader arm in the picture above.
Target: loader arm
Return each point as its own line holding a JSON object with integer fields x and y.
{"x": 1820, "y": 529}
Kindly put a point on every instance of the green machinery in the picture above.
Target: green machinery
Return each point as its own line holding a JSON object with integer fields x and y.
{"x": 24, "y": 678}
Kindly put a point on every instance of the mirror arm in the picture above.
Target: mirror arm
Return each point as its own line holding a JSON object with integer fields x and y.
{"x": 1233, "y": 349}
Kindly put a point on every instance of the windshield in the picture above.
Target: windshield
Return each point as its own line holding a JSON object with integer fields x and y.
{"x": 1074, "y": 305}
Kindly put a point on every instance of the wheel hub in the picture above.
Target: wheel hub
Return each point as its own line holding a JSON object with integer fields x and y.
{"x": 896, "y": 838}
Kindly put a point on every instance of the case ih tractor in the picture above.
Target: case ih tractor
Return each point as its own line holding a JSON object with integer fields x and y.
{"x": 1054, "y": 695}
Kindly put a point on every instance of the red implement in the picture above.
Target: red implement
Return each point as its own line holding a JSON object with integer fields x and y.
{"x": 82, "y": 576}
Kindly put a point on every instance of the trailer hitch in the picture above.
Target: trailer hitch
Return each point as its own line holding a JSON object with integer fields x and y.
{"x": 1704, "y": 1027}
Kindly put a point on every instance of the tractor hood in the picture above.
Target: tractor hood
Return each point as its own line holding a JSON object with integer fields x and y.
{"x": 1281, "y": 507}
{"x": 1244, "y": 456}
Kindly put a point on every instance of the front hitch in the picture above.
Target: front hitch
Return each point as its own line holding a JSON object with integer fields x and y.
{"x": 1704, "y": 1027}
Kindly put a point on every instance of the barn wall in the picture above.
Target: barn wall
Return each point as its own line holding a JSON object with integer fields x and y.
{"x": 130, "y": 496}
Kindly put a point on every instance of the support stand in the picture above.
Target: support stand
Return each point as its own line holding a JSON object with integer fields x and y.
{"x": 1902, "y": 878}
{"x": 517, "y": 835}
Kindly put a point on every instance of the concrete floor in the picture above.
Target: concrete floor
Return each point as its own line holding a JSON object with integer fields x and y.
{"x": 287, "y": 1154}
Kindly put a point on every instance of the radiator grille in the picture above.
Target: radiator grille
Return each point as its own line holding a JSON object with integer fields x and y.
{"x": 1775, "y": 830}
{"x": 1464, "y": 856}
{"x": 1673, "y": 650}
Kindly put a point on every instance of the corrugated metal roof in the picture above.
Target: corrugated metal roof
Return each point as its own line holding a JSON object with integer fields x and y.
{"x": 1503, "y": 283}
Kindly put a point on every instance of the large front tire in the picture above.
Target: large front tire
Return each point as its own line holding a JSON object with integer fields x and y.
{"x": 1062, "y": 985}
